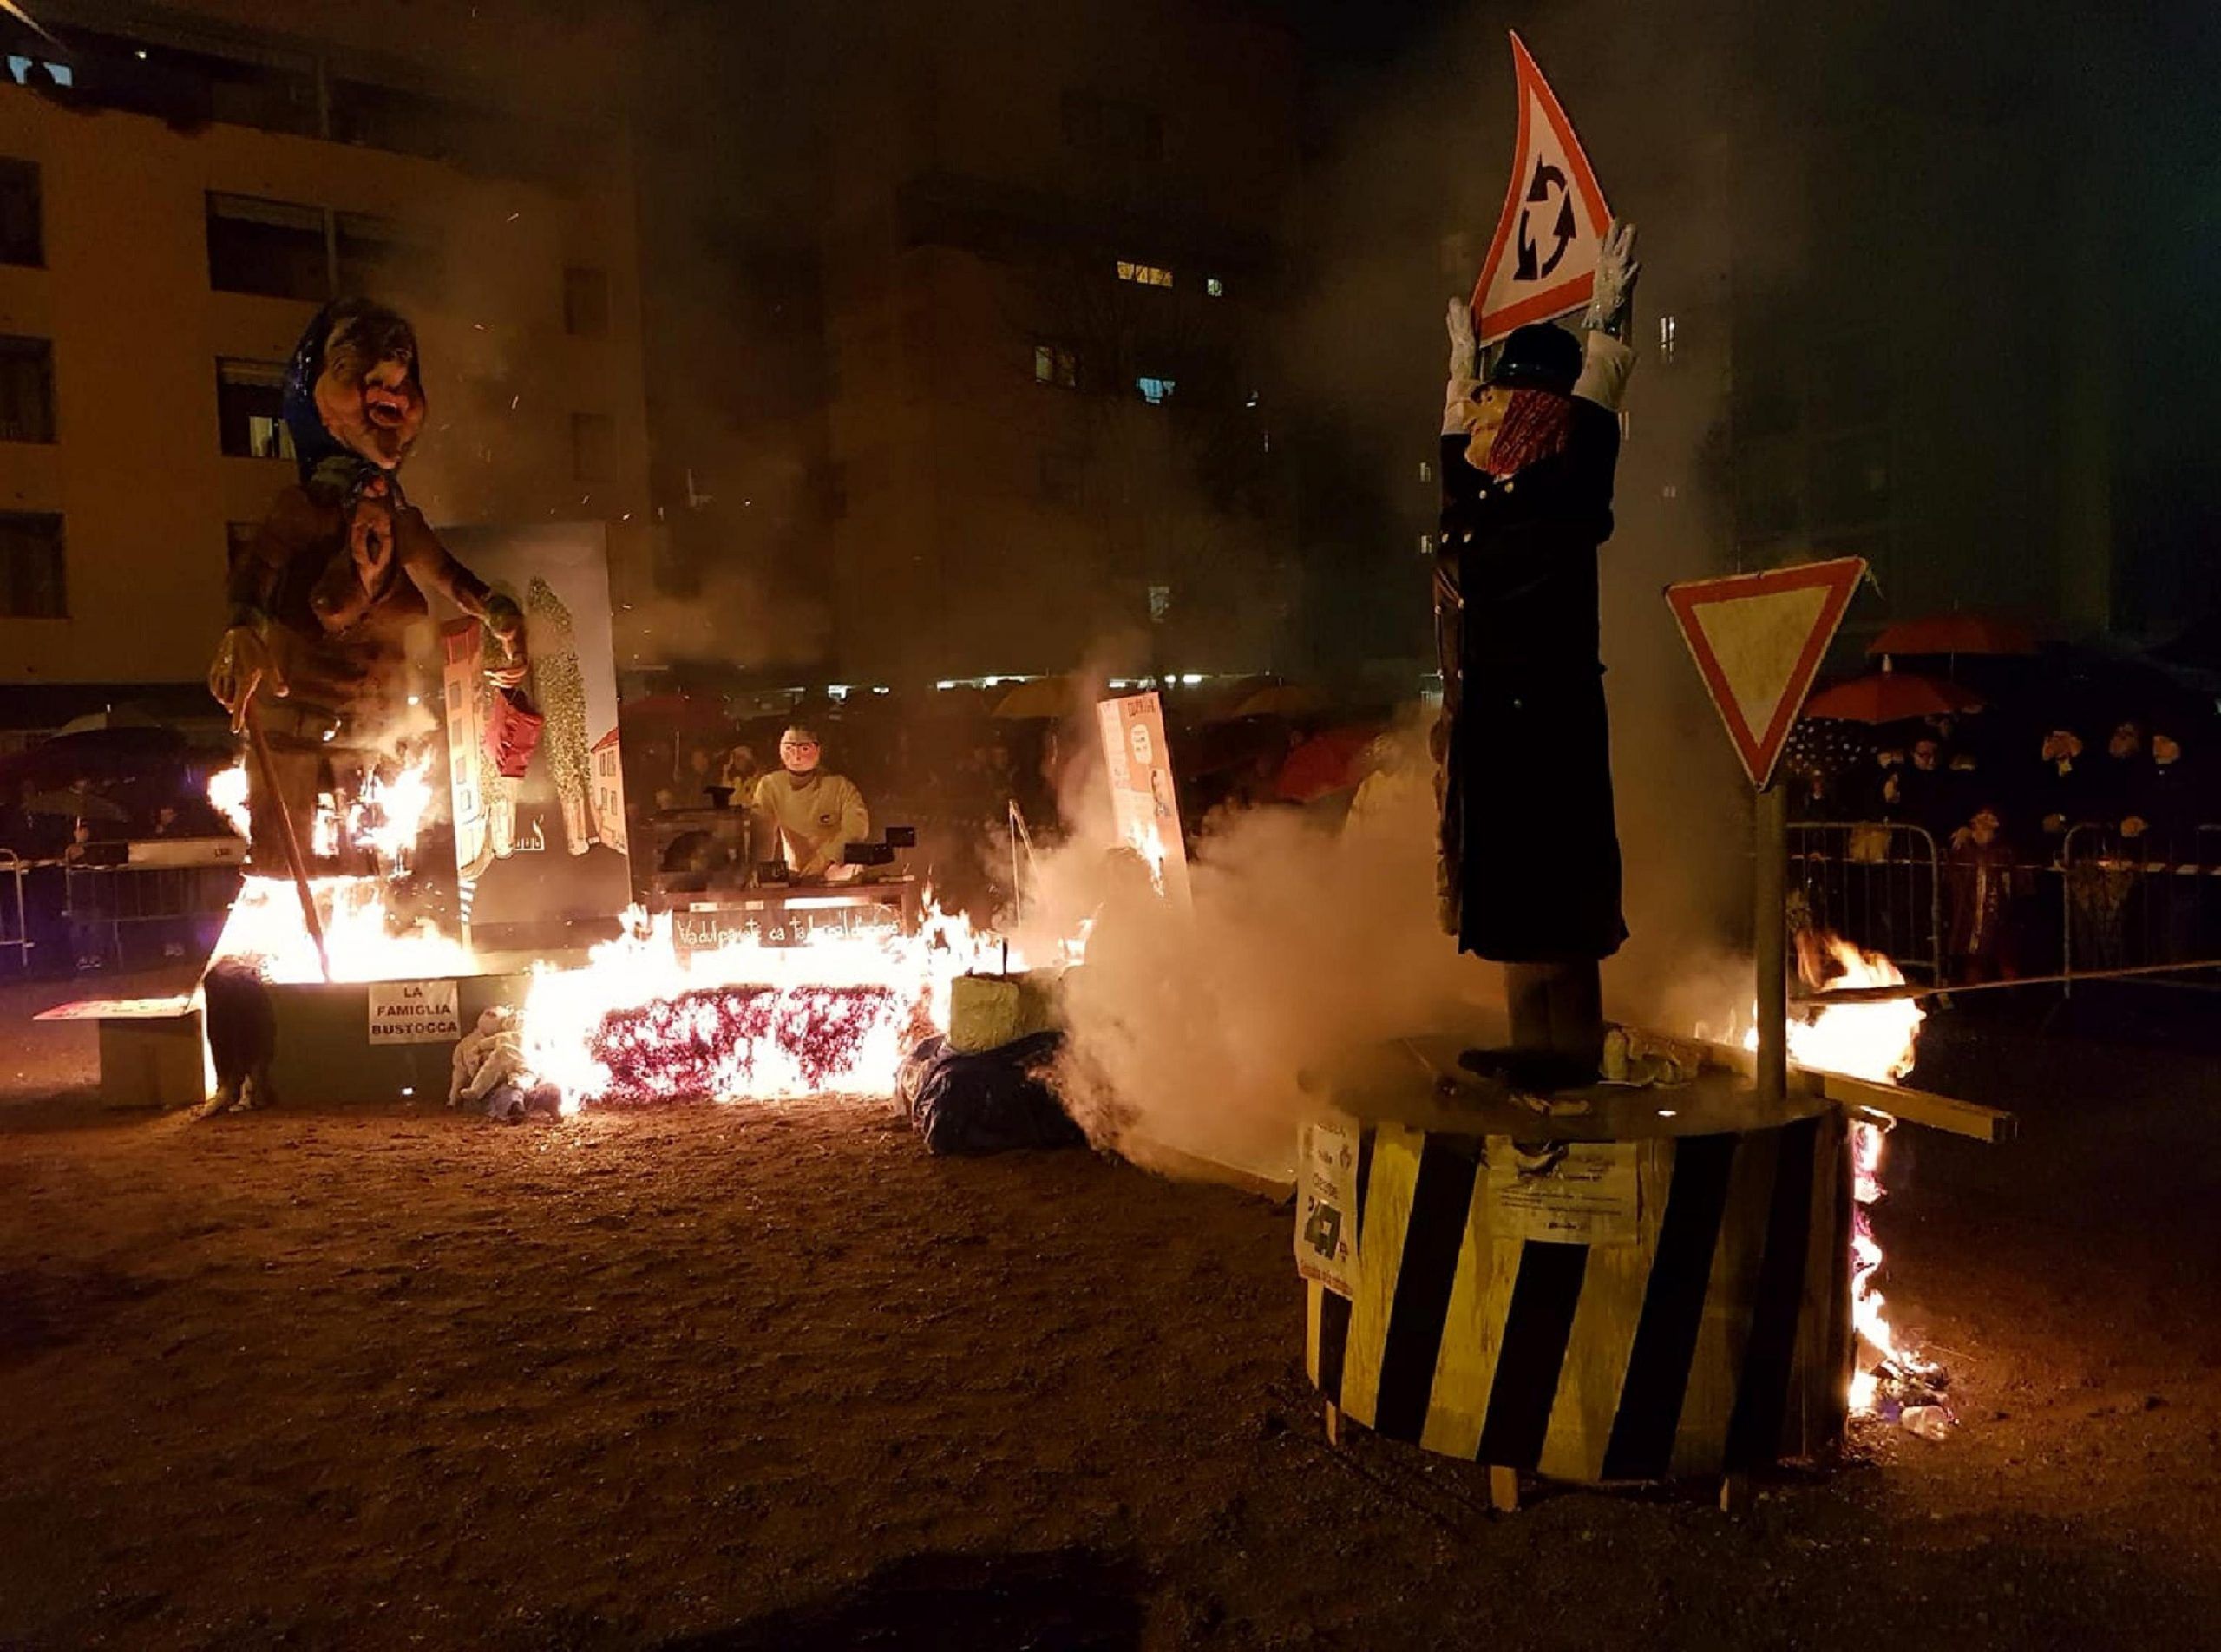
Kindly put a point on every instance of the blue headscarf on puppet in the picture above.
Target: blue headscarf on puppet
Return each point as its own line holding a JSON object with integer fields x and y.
{"x": 349, "y": 340}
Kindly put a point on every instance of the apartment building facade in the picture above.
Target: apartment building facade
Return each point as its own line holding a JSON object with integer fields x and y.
{"x": 179, "y": 190}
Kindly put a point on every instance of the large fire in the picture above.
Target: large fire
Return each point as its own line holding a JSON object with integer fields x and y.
{"x": 641, "y": 1019}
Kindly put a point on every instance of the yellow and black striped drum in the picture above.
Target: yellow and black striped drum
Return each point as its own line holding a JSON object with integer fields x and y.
{"x": 1687, "y": 1311}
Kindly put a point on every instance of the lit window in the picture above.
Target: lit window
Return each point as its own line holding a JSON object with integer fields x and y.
{"x": 1668, "y": 337}
{"x": 1156, "y": 391}
{"x": 249, "y": 404}
{"x": 1213, "y": 287}
{"x": 1148, "y": 275}
{"x": 1055, "y": 363}
{"x": 1426, "y": 545}
{"x": 26, "y": 71}
{"x": 1426, "y": 470}
{"x": 1160, "y": 603}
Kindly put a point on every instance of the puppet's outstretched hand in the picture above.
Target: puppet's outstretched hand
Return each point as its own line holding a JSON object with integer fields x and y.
{"x": 244, "y": 665}
{"x": 1611, "y": 303}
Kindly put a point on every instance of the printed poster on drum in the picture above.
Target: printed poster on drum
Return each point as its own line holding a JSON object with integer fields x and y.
{"x": 1144, "y": 808}
{"x": 1326, "y": 1204}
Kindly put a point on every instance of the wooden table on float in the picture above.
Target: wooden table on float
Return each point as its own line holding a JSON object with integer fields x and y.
{"x": 1636, "y": 1285}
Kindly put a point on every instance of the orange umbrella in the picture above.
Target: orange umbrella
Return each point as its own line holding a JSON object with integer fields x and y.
{"x": 1954, "y": 634}
{"x": 1890, "y": 697}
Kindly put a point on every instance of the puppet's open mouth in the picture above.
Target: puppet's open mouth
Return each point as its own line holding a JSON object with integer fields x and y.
{"x": 384, "y": 409}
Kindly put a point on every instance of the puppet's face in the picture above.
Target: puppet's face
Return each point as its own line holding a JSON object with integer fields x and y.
{"x": 369, "y": 395}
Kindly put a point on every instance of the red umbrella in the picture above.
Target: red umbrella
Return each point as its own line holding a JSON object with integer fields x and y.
{"x": 1890, "y": 697}
{"x": 1324, "y": 764}
{"x": 1954, "y": 634}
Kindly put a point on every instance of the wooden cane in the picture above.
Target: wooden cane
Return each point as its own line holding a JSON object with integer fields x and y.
{"x": 286, "y": 839}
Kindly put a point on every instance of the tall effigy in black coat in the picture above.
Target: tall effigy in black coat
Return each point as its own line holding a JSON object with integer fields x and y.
{"x": 1531, "y": 855}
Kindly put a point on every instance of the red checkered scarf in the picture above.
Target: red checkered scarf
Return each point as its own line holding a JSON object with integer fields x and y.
{"x": 1536, "y": 425}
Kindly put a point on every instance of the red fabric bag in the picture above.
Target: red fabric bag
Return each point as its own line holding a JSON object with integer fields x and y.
{"x": 513, "y": 731}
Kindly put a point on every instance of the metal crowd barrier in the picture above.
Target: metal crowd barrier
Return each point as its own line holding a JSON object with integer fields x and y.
{"x": 1875, "y": 882}
{"x": 2133, "y": 903}
{"x": 103, "y": 899}
{"x": 15, "y": 930}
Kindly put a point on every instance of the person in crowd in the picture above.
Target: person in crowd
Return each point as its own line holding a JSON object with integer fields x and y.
{"x": 1983, "y": 882}
{"x": 741, "y": 772}
{"x": 2061, "y": 791}
{"x": 1924, "y": 791}
{"x": 809, "y": 813}
{"x": 2168, "y": 804}
{"x": 2116, "y": 779}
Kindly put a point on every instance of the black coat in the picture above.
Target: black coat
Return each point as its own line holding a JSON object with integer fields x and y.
{"x": 1530, "y": 857}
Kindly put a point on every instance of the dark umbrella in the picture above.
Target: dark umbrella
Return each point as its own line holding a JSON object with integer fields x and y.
{"x": 76, "y": 805}
{"x": 117, "y": 753}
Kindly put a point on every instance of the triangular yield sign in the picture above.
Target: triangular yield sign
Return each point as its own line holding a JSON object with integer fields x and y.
{"x": 1542, "y": 261}
{"x": 1758, "y": 639}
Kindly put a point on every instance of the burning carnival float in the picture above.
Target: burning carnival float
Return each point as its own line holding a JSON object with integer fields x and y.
{"x": 1669, "y": 1272}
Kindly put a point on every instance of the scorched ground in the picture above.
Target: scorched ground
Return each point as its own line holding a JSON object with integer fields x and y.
{"x": 766, "y": 1373}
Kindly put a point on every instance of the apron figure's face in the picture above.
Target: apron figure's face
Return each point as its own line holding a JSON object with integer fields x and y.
{"x": 369, "y": 395}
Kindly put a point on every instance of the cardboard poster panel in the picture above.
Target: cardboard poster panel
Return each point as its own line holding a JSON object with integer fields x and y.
{"x": 1542, "y": 261}
{"x": 1144, "y": 808}
{"x": 545, "y": 849}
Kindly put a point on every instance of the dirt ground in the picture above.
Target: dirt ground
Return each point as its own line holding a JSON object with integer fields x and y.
{"x": 771, "y": 1377}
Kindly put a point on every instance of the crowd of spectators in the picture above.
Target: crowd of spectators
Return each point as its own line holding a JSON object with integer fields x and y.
{"x": 2113, "y": 806}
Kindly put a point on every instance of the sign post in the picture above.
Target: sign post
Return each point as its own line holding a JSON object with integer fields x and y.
{"x": 1757, "y": 640}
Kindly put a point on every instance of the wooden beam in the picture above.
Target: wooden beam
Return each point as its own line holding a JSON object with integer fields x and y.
{"x": 1919, "y": 1107}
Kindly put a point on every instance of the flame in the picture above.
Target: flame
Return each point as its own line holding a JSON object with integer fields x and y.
{"x": 228, "y": 793}
{"x": 1877, "y": 1042}
{"x": 390, "y": 813}
{"x": 643, "y": 1020}
{"x": 265, "y": 928}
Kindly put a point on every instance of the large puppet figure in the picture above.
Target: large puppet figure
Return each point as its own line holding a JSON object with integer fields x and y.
{"x": 1530, "y": 857}
{"x": 323, "y": 595}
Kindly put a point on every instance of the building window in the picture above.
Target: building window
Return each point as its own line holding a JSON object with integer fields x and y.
{"x": 593, "y": 443}
{"x": 250, "y": 409}
{"x": 1212, "y": 287}
{"x": 1148, "y": 275}
{"x": 1156, "y": 391}
{"x": 372, "y": 251}
{"x": 1426, "y": 545}
{"x": 32, "y": 584}
{"x": 37, "y": 72}
{"x": 26, "y": 389}
{"x": 271, "y": 248}
{"x": 586, "y": 301}
{"x": 1669, "y": 330}
{"x": 1160, "y": 603}
{"x": 22, "y": 236}
{"x": 1426, "y": 470}
{"x": 1055, "y": 363}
